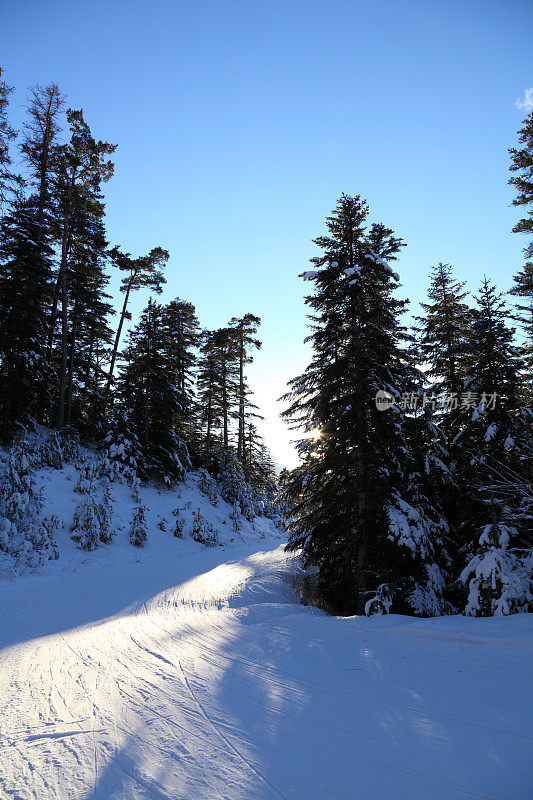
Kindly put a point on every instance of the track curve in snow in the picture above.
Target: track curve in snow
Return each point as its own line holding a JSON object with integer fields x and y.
{"x": 206, "y": 679}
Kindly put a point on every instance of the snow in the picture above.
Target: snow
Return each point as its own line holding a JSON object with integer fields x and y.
{"x": 184, "y": 672}
{"x": 374, "y": 256}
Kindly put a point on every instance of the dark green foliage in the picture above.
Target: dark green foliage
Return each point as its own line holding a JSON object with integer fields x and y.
{"x": 361, "y": 515}
{"x": 9, "y": 181}
{"x": 147, "y": 391}
{"x": 522, "y": 166}
{"x": 138, "y": 534}
{"x": 25, "y": 287}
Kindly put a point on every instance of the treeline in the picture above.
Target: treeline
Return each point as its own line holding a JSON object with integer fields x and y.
{"x": 179, "y": 392}
{"x": 415, "y": 488}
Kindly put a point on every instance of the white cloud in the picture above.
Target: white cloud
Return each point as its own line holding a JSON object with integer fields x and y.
{"x": 527, "y": 103}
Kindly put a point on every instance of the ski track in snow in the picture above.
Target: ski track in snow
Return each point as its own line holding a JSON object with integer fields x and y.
{"x": 217, "y": 684}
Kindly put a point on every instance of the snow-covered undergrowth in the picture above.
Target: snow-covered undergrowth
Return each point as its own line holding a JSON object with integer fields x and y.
{"x": 185, "y": 671}
{"x": 59, "y": 501}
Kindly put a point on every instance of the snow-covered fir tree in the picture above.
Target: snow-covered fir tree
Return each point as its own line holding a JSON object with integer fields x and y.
{"x": 499, "y": 577}
{"x": 86, "y": 530}
{"x": 361, "y": 515}
{"x": 522, "y": 180}
{"x": 151, "y": 398}
{"x": 138, "y": 533}
{"x": 25, "y": 278}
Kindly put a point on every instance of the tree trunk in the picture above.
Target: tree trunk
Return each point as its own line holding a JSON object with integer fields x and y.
{"x": 71, "y": 364}
{"x": 64, "y": 323}
{"x": 240, "y": 443}
{"x": 225, "y": 405}
{"x": 117, "y": 340}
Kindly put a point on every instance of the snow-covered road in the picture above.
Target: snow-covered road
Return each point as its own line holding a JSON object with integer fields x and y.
{"x": 205, "y": 678}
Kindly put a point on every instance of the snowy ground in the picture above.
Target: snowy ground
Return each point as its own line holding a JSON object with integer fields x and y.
{"x": 192, "y": 673}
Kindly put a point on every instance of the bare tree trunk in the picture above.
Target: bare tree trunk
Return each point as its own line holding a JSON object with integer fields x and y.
{"x": 43, "y": 165}
{"x": 225, "y": 406}
{"x": 117, "y": 340}
{"x": 53, "y": 318}
{"x": 64, "y": 324}
{"x": 71, "y": 364}
{"x": 240, "y": 442}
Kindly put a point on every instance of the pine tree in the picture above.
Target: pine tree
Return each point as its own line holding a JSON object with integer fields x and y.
{"x": 180, "y": 340}
{"x": 89, "y": 336}
{"x": 138, "y": 534}
{"x": 147, "y": 391}
{"x": 522, "y": 165}
{"x": 245, "y": 330}
{"x": 86, "y": 530}
{"x": 121, "y": 448}
{"x": 20, "y": 507}
{"x": 82, "y": 166}
{"x": 25, "y": 286}
{"x": 143, "y": 272}
{"x": 499, "y": 580}
{"x": 443, "y": 330}
{"x": 360, "y": 513}
{"x": 207, "y": 390}
{"x": 217, "y": 384}
{"x": 39, "y": 143}
{"x": 9, "y": 181}
{"x": 495, "y": 433}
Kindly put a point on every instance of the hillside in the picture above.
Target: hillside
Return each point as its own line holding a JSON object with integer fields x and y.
{"x": 178, "y": 670}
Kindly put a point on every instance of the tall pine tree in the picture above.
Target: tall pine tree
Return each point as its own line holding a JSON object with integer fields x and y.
{"x": 361, "y": 515}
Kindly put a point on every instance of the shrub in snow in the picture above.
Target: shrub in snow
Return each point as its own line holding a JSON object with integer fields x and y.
{"x": 86, "y": 479}
{"x": 104, "y": 511}
{"x": 22, "y": 535}
{"x": 86, "y": 530}
{"x": 202, "y": 531}
{"x": 381, "y": 602}
{"x": 121, "y": 451}
{"x": 425, "y": 598}
{"x": 208, "y": 486}
{"x": 235, "y": 518}
{"x": 179, "y": 524}
{"x": 235, "y": 489}
{"x": 53, "y": 449}
{"x": 136, "y": 489}
{"x": 499, "y": 579}
{"x": 44, "y": 536}
{"x": 418, "y": 530}
{"x": 138, "y": 535}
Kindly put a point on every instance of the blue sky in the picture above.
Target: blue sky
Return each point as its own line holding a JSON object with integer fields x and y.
{"x": 240, "y": 123}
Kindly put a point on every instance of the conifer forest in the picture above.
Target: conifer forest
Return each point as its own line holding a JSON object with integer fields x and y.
{"x": 184, "y": 615}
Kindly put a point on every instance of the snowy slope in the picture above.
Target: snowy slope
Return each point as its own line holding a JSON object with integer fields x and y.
{"x": 192, "y": 673}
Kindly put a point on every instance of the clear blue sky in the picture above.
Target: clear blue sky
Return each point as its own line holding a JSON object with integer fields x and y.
{"x": 240, "y": 123}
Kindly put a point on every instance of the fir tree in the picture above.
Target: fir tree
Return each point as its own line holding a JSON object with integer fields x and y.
{"x": 494, "y": 431}
{"x": 522, "y": 165}
{"x": 360, "y": 513}
{"x": 25, "y": 285}
{"x": 245, "y": 330}
{"x": 143, "y": 272}
{"x": 180, "y": 340}
{"x": 147, "y": 391}
{"x": 9, "y": 181}
{"x": 86, "y": 530}
{"x": 82, "y": 167}
{"x": 499, "y": 580}
{"x": 443, "y": 330}
{"x": 138, "y": 535}
{"x": 40, "y": 141}
{"x": 217, "y": 384}
{"x": 89, "y": 336}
